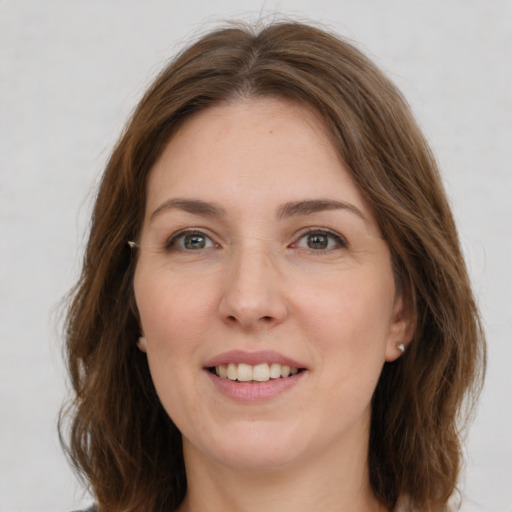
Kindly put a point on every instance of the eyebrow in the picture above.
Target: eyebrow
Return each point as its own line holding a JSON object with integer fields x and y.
{"x": 290, "y": 209}
{"x": 194, "y": 206}
{"x": 308, "y": 207}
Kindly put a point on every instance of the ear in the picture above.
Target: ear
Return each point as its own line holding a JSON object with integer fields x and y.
{"x": 401, "y": 328}
{"x": 141, "y": 344}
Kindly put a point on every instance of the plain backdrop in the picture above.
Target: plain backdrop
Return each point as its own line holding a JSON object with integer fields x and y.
{"x": 70, "y": 73}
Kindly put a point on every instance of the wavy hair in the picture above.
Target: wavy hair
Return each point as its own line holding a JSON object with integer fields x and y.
{"x": 115, "y": 431}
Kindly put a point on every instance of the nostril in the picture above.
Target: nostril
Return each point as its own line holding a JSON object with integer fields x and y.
{"x": 266, "y": 319}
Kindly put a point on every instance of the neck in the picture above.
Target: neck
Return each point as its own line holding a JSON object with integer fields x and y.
{"x": 326, "y": 483}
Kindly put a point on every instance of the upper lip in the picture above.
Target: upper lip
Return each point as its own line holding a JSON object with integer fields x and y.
{"x": 253, "y": 358}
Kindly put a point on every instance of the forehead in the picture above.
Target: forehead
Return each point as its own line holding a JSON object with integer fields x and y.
{"x": 265, "y": 151}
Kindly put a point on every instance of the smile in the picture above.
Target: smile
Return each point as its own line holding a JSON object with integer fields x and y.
{"x": 254, "y": 377}
{"x": 263, "y": 372}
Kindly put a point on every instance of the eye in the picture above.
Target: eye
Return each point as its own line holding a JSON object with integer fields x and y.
{"x": 320, "y": 240}
{"x": 190, "y": 241}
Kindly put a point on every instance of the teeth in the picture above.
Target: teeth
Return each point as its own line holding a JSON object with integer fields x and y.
{"x": 244, "y": 372}
{"x": 231, "y": 371}
{"x": 259, "y": 372}
{"x": 222, "y": 371}
{"x": 275, "y": 371}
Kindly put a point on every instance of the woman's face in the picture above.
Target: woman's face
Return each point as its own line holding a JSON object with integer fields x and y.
{"x": 266, "y": 295}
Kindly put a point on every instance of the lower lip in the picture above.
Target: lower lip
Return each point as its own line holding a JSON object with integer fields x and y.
{"x": 255, "y": 392}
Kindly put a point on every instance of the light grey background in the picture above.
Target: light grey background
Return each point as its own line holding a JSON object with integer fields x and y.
{"x": 71, "y": 71}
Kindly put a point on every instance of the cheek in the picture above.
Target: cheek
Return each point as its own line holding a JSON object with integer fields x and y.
{"x": 351, "y": 312}
{"x": 347, "y": 325}
{"x": 173, "y": 315}
{"x": 171, "y": 307}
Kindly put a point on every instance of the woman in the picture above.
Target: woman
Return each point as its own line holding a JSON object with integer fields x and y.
{"x": 274, "y": 312}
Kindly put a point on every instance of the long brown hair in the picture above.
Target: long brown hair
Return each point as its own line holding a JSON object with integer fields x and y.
{"x": 120, "y": 439}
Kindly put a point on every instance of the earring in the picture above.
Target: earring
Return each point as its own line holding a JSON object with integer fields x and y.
{"x": 401, "y": 347}
{"x": 141, "y": 344}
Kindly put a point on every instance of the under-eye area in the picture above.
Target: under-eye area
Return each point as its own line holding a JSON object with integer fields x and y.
{"x": 263, "y": 372}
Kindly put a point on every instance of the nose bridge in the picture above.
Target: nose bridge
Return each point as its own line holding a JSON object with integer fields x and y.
{"x": 252, "y": 285}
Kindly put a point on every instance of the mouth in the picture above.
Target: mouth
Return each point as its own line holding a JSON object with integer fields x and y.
{"x": 263, "y": 372}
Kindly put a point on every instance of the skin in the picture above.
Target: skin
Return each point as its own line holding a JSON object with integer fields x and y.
{"x": 258, "y": 285}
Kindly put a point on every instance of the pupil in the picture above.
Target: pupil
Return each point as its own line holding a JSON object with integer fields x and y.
{"x": 194, "y": 242}
{"x": 318, "y": 241}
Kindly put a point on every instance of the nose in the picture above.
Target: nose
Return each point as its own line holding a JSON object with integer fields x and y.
{"x": 253, "y": 296}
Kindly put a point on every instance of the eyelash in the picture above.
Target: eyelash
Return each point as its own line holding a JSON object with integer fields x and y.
{"x": 172, "y": 242}
{"x": 340, "y": 242}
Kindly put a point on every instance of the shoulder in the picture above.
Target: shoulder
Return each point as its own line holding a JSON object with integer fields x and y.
{"x": 455, "y": 504}
{"x": 92, "y": 508}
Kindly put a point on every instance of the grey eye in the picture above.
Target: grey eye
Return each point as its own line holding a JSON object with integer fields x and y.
{"x": 190, "y": 241}
{"x": 195, "y": 241}
{"x": 320, "y": 241}
{"x": 317, "y": 241}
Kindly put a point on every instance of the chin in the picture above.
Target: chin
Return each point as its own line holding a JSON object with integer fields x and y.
{"x": 255, "y": 448}
{"x": 257, "y": 460}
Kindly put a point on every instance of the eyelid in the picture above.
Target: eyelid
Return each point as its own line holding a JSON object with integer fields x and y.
{"x": 171, "y": 241}
{"x": 341, "y": 240}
